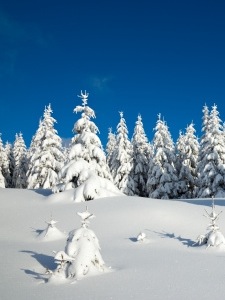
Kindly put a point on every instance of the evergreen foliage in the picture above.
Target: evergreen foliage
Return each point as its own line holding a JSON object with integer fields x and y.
{"x": 46, "y": 155}
{"x": 211, "y": 166}
{"x": 122, "y": 160}
{"x": 142, "y": 154}
{"x": 86, "y": 160}
{"x": 3, "y": 159}
{"x": 187, "y": 156}
{"x": 9, "y": 165}
{"x": 159, "y": 169}
{"x": 162, "y": 176}
{"x": 19, "y": 178}
{"x": 110, "y": 147}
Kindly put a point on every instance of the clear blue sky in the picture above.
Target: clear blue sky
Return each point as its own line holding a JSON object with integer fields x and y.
{"x": 139, "y": 57}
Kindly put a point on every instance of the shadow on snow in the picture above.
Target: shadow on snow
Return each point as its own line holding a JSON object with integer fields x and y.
{"x": 184, "y": 241}
{"x": 46, "y": 261}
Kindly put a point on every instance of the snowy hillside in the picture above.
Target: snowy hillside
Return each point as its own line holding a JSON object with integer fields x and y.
{"x": 165, "y": 265}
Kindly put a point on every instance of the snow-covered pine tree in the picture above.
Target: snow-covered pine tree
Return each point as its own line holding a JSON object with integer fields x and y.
{"x": 2, "y": 179}
{"x": 5, "y": 164}
{"x": 142, "y": 153}
{"x": 36, "y": 139}
{"x": 162, "y": 176}
{"x": 110, "y": 147}
{"x": 34, "y": 147}
{"x": 19, "y": 178}
{"x": 86, "y": 169}
{"x": 46, "y": 157}
{"x": 203, "y": 145}
{"x": 211, "y": 166}
{"x": 51, "y": 232}
{"x": 9, "y": 165}
{"x": 214, "y": 236}
{"x": 122, "y": 160}
{"x": 82, "y": 255}
{"x": 187, "y": 156}
{"x": 2, "y": 162}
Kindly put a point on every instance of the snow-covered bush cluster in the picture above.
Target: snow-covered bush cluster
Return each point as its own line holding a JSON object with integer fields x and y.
{"x": 160, "y": 168}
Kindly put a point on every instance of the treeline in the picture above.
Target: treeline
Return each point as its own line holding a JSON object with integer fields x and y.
{"x": 190, "y": 168}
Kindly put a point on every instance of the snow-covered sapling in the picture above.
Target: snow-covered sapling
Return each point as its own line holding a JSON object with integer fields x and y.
{"x": 82, "y": 253}
{"x": 214, "y": 237}
{"x": 51, "y": 232}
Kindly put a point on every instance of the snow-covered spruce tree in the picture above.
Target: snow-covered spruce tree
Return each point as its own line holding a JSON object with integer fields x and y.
{"x": 213, "y": 237}
{"x": 5, "y": 164}
{"x": 82, "y": 257}
{"x": 122, "y": 160}
{"x": 142, "y": 153}
{"x": 110, "y": 147}
{"x": 211, "y": 167}
{"x": 187, "y": 156}
{"x": 46, "y": 157}
{"x": 86, "y": 169}
{"x": 19, "y": 178}
{"x": 203, "y": 146}
{"x": 162, "y": 176}
{"x": 51, "y": 232}
{"x": 2, "y": 179}
{"x": 34, "y": 147}
{"x": 9, "y": 165}
{"x": 2, "y": 162}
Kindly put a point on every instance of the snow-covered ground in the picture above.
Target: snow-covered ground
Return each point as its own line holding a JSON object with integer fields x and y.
{"x": 165, "y": 265}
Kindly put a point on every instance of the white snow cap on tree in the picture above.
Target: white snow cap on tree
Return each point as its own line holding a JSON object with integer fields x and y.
{"x": 86, "y": 169}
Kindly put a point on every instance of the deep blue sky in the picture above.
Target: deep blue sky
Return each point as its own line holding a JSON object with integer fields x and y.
{"x": 139, "y": 57}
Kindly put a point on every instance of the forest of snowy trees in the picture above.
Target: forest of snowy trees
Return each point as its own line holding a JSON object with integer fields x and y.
{"x": 191, "y": 167}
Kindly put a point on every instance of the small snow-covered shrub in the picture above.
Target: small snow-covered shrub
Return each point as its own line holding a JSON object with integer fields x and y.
{"x": 82, "y": 254}
{"x": 51, "y": 232}
{"x": 141, "y": 237}
{"x": 214, "y": 237}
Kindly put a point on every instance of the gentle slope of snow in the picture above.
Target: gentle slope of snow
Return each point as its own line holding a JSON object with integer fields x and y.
{"x": 168, "y": 266}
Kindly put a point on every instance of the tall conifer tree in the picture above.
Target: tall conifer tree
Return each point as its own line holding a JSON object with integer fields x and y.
{"x": 162, "y": 176}
{"x": 46, "y": 155}
{"x": 142, "y": 153}
{"x": 187, "y": 155}
{"x": 19, "y": 178}
{"x": 212, "y": 157}
{"x": 86, "y": 160}
{"x": 122, "y": 160}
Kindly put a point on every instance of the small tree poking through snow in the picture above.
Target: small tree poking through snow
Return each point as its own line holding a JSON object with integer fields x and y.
{"x": 82, "y": 253}
{"x": 214, "y": 237}
{"x": 51, "y": 232}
